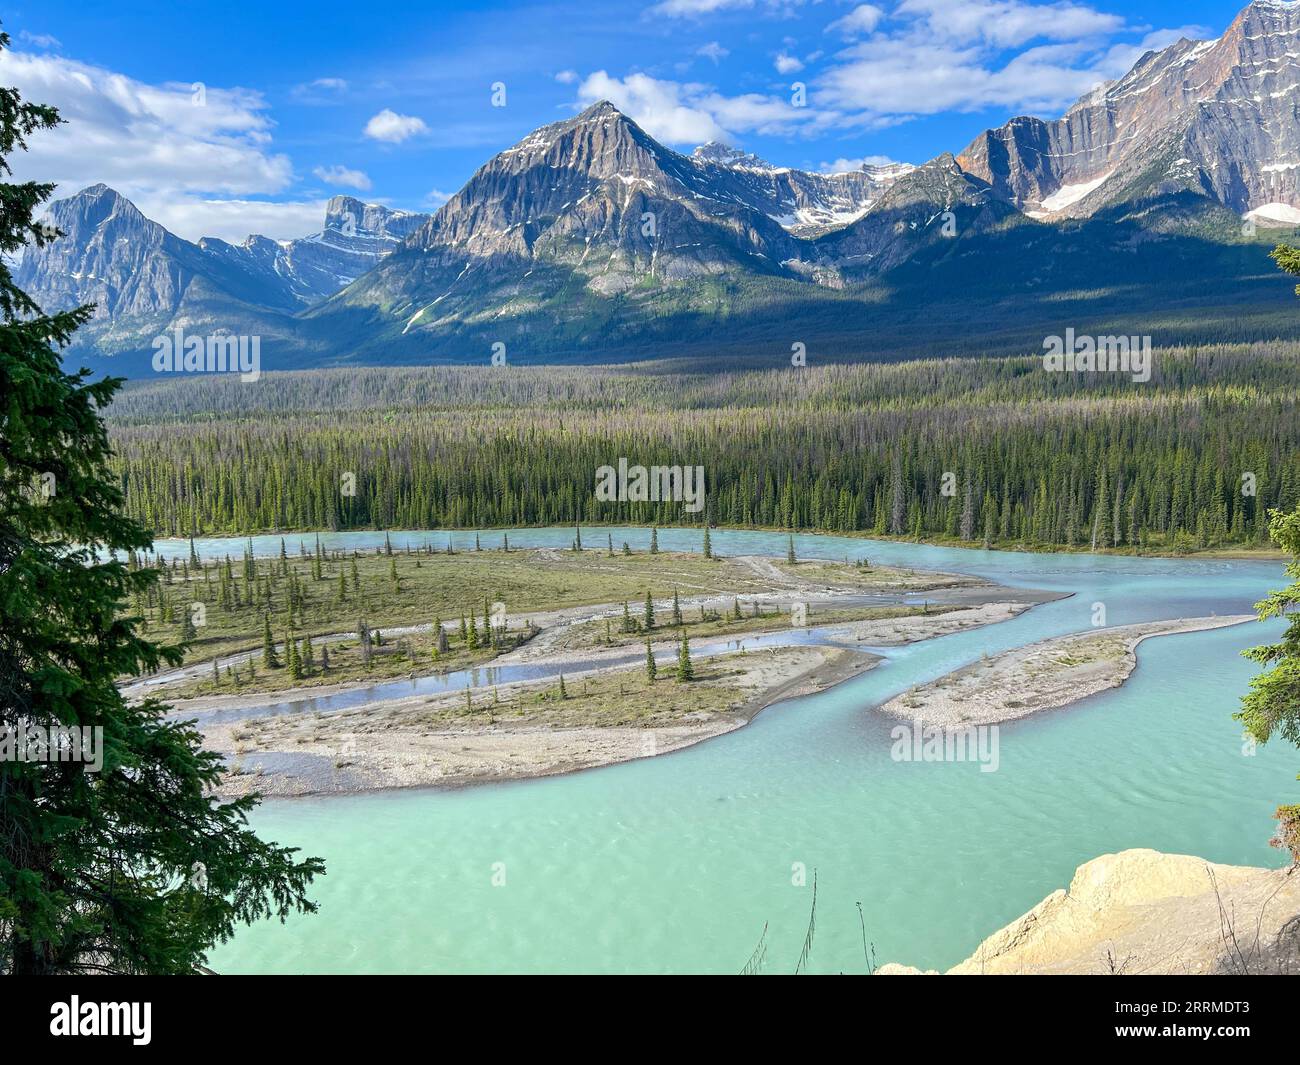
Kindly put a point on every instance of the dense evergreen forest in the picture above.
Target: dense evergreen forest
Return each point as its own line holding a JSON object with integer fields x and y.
{"x": 996, "y": 452}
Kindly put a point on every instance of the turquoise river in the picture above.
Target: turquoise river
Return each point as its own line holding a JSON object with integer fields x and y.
{"x": 677, "y": 863}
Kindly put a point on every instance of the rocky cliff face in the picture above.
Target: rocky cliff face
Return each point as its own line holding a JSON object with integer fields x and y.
{"x": 928, "y": 206}
{"x": 140, "y": 277}
{"x": 111, "y": 255}
{"x": 805, "y": 204}
{"x": 1141, "y": 911}
{"x": 588, "y": 207}
{"x": 1216, "y": 117}
{"x": 355, "y": 237}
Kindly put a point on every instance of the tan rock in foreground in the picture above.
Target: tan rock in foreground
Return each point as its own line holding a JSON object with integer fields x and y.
{"x": 1141, "y": 911}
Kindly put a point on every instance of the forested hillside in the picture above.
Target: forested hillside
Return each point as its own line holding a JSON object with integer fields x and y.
{"x": 1191, "y": 460}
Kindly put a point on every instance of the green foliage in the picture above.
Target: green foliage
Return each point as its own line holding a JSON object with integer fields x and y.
{"x": 685, "y": 670}
{"x": 1272, "y": 705}
{"x": 1288, "y": 260}
{"x": 447, "y": 448}
{"x": 133, "y": 868}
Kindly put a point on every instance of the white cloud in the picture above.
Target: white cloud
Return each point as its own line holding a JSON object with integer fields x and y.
{"x": 567, "y": 77}
{"x": 320, "y": 91}
{"x": 689, "y": 113}
{"x": 1008, "y": 23}
{"x": 233, "y": 220}
{"x": 861, "y": 20}
{"x": 787, "y": 64}
{"x": 343, "y": 177}
{"x": 886, "y": 76}
{"x": 689, "y": 8}
{"x": 436, "y": 197}
{"x": 960, "y": 55}
{"x": 700, "y": 8}
{"x": 664, "y": 109}
{"x": 160, "y": 141}
{"x": 392, "y": 128}
{"x": 714, "y": 51}
{"x": 843, "y": 166}
{"x": 39, "y": 40}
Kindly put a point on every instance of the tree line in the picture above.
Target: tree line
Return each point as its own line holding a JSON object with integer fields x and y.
{"x": 976, "y": 451}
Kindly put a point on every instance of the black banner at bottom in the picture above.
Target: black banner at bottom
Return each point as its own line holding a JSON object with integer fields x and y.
{"x": 297, "y": 1013}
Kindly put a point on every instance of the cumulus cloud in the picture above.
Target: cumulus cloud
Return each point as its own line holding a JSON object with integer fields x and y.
{"x": 919, "y": 57}
{"x": 861, "y": 20}
{"x": 966, "y": 55}
{"x": 689, "y": 113}
{"x": 233, "y": 220}
{"x": 567, "y": 77}
{"x": 665, "y": 109}
{"x": 144, "y": 140}
{"x": 843, "y": 166}
{"x": 391, "y": 128}
{"x": 1008, "y": 23}
{"x": 343, "y": 177}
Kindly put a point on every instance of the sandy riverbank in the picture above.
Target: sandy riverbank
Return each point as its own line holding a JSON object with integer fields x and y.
{"x": 1144, "y": 912}
{"x": 519, "y": 730}
{"x": 1039, "y": 676}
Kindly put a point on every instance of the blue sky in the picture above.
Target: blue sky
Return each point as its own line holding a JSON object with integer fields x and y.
{"x": 246, "y": 116}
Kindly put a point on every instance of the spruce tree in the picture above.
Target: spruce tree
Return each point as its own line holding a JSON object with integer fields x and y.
{"x": 654, "y": 540}
{"x": 268, "y": 644}
{"x": 293, "y": 660}
{"x": 708, "y": 544}
{"x": 685, "y": 670}
{"x": 1273, "y": 703}
{"x": 651, "y": 670}
{"x": 649, "y": 615}
{"x": 96, "y": 862}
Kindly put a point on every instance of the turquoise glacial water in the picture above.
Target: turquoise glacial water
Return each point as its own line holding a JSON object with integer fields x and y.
{"x": 677, "y": 863}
